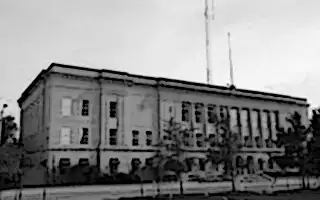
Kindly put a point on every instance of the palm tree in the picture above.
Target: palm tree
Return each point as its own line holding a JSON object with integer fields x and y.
{"x": 225, "y": 149}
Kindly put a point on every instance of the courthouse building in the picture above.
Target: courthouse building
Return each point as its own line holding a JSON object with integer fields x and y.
{"x": 72, "y": 115}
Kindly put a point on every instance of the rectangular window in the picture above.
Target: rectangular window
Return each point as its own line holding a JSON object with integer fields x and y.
{"x": 224, "y": 112}
{"x": 64, "y": 165}
{"x": 274, "y": 124}
{"x": 148, "y": 138}
{"x": 245, "y": 122}
{"x": 169, "y": 110}
{"x": 234, "y": 120}
{"x": 264, "y": 125}
{"x": 276, "y": 113}
{"x": 84, "y": 136}
{"x": 65, "y": 135}
{"x": 85, "y": 108}
{"x": 256, "y": 131}
{"x": 66, "y": 106}
{"x": 198, "y": 112}
{"x": 113, "y": 136}
{"x": 113, "y": 109}
{"x": 211, "y": 112}
{"x": 199, "y": 140}
{"x": 135, "y": 138}
{"x": 186, "y": 139}
{"x": 185, "y": 111}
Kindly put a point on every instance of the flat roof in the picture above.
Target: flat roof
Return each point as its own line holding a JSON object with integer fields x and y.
{"x": 166, "y": 82}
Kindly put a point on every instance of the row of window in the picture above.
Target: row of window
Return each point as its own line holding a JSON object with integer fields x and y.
{"x": 245, "y": 118}
{"x": 113, "y": 138}
{"x": 65, "y": 163}
{"x": 257, "y": 127}
{"x": 67, "y": 136}
{"x": 69, "y": 105}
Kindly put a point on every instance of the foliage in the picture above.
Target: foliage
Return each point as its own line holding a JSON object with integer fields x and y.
{"x": 169, "y": 156}
{"x": 223, "y": 149}
{"x": 298, "y": 143}
{"x": 10, "y": 163}
{"x": 8, "y": 129}
{"x": 172, "y": 145}
{"x": 294, "y": 137}
{"x": 315, "y": 121}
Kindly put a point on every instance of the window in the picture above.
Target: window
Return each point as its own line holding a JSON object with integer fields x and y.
{"x": 113, "y": 165}
{"x": 211, "y": 112}
{"x": 83, "y": 162}
{"x": 245, "y": 122}
{"x": 198, "y": 112}
{"x": 234, "y": 120}
{"x": 274, "y": 124}
{"x": 149, "y": 162}
{"x": 85, "y": 108}
{"x": 66, "y": 106}
{"x": 212, "y": 140}
{"x": 185, "y": 111}
{"x": 270, "y": 163}
{"x": 199, "y": 138}
{"x": 113, "y": 136}
{"x": 84, "y": 136}
{"x": 223, "y": 112}
{"x": 65, "y": 135}
{"x": 135, "y": 138}
{"x": 135, "y": 165}
{"x": 113, "y": 109}
{"x": 264, "y": 125}
{"x": 255, "y": 121}
{"x": 64, "y": 165}
{"x": 148, "y": 138}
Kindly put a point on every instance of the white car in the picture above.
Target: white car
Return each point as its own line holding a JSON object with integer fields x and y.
{"x": 253, "y": 183}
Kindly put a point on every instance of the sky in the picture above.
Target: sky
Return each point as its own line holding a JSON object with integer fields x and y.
{"x": 275, "y": 43}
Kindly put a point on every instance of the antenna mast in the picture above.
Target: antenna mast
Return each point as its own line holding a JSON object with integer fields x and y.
{"x": 209, "y": 16}
{"x": 230, "y": 62}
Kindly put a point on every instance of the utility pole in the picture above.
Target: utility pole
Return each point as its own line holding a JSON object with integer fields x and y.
{"x": 209, "y": 17}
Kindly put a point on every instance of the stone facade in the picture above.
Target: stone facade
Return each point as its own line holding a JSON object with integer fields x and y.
{"x": 129, "y": 104}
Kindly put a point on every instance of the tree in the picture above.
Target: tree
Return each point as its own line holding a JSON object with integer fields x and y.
{"x": 8, "y": 129}
{"x": 297, "y": 142}
{"x": 10, "y": 164}
{"x": 169, "y": 155}
{"x": 225, "y": 148}
{"x": 315, "y": 121}
{"x": 14, "y": 158}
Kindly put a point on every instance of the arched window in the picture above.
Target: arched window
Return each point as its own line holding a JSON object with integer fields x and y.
{"x": 239, "y": 164}
{"x": 250, "y": 165}
{"x": 270, "y": 163}
{"x": 261, "y": 163}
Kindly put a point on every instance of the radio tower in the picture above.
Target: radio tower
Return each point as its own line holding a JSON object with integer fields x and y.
{"x": 209, "y": 17}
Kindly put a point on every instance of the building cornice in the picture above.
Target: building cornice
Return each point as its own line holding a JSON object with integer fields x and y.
{"x": 130, "y": 79}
